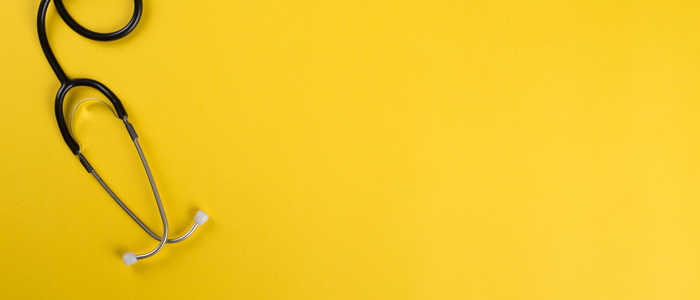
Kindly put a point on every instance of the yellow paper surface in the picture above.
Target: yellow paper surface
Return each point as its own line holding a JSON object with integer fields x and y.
{"x": 359, "y": 150}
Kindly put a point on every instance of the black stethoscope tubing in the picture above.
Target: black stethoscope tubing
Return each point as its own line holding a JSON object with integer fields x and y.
{"x": 66, "y": 83}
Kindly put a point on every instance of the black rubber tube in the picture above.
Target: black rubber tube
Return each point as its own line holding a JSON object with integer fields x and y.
{"x": 138, "y": 9}
{"x": 66, "y": 83}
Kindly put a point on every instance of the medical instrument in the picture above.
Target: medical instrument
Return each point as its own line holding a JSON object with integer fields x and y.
{"x": 69, "y": 136}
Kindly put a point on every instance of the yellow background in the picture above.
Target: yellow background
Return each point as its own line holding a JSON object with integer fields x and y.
{"x": 360, "y": 150}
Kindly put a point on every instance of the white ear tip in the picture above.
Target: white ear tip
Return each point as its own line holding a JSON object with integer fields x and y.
{"x": 201, "y": 217}
{"x": 129, "y": 258}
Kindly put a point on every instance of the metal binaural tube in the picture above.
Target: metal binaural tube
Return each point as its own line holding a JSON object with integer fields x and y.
{"x": 137, "y": 220}
{"x": 158, "y": 202}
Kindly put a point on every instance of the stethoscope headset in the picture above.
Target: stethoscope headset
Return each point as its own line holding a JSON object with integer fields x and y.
{"x": 71, "y": 140}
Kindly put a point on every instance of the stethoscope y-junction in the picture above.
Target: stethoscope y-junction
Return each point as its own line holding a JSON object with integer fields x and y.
{"x": 71, "y": 140}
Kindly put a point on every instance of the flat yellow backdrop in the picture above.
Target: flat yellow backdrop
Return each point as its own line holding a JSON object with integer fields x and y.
{"x": 359, "y": 150}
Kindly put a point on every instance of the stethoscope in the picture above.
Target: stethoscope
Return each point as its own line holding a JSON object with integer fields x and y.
{"x": 67, "y": 84}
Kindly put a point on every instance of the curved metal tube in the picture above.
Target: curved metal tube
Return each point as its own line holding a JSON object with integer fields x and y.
{"x": 137, "y": 220}
{"x": 160, "y": 204}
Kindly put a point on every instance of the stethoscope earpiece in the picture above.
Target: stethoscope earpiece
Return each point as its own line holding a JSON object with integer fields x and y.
{"x": 201, "y": 218}
{"x": 129, "y": 258}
